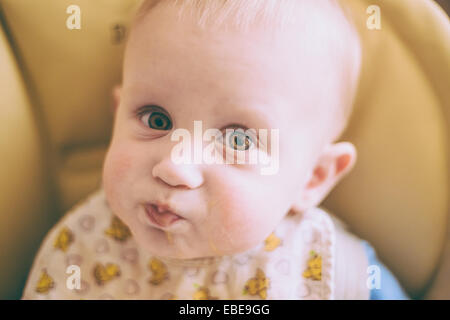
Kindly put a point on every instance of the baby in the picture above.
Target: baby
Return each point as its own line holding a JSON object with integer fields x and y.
{"x": 268, "y": 80}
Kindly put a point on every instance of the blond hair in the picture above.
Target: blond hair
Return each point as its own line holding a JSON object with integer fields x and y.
{"x": 238, "y": 13}
{"x": 242, "y": 14}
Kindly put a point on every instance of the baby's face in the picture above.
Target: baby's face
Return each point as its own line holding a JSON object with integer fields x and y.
{"x": 176, "y": 73}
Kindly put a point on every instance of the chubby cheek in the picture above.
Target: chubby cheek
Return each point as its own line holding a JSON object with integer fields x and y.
{"x": 250, "y": 206}
{"x": 241, "y": 231}
{"x": 116, "y": 174}
{"x": 241, "y": 221}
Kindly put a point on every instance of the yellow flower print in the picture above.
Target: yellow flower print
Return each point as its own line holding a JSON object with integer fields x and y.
{"x": 314, "y": 270}
{"x": 257, "y": 285}
{"x": 64, "y": 239}
{"x": 159, "y": 271}
{"x": 272, "y": 242}
{"x": 103, "y": 274}
{"x": 118, "y": 230}
{"x": 45, "y": 283}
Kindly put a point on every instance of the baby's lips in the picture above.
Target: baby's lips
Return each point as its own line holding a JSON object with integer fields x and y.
{"x": 161, "y": 218}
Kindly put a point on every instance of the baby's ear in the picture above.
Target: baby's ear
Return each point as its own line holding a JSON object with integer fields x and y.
{"x": 333, "y": 164}
{"x": 116, "y": 97}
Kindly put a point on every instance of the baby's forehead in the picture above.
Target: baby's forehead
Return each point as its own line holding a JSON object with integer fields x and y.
{"x": 319, "y": 25}
{"x": 314, "y": 26}
{"x": 242, "y": 14}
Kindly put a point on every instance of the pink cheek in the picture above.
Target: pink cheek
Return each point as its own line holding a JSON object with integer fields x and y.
{"x": 238, "y": 226}
{"x": 116, "y": 169}
{"x": 119, "y": 165}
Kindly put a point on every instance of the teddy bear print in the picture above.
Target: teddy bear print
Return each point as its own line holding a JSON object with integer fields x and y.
{"x": 272, "y": 242}
{"x": 118, "y": 230}
{"x": 314, "y": 269}
{"x": 257, "y": 285}
{"x": 159, "y": 270}
{"x": 64, "y": 239}
{"x": 202, "y": 293}
{"x": 45, "y": 282}
{"x": 104, "y": 274}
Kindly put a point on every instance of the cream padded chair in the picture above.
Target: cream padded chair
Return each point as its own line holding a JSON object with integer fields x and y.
{"x": 55, "y": 89}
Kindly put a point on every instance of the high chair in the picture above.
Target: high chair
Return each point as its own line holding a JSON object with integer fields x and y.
{"x": 55, "y": 97}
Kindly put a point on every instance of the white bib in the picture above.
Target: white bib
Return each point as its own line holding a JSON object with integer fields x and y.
{"x": 91, "y": 254}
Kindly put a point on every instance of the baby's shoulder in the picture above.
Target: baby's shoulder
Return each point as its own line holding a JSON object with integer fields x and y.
{"x": 87, "y": 213}
{"x": 351, "y": 261}
{"x": 84, "y": 222}
{"x": 312, "y": 223}
{"x": 87, "y": 237}
{"x": 323, "y": 232}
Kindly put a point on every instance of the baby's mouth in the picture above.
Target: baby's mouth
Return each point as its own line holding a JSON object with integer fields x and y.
{"x": 161, "y": 217}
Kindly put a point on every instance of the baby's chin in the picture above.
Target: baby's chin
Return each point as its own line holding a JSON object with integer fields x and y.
{"x": 178, "y": 247}
{"x": 174, "y": 255}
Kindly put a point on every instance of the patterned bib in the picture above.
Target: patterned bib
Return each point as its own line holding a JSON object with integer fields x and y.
{"x": 91, "y": 254}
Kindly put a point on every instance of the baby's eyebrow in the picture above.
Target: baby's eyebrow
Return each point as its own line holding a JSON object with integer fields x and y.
{"x": 140, "y": 93}
{"x": 250, "y": 117}
{"x": 255, "y": 115}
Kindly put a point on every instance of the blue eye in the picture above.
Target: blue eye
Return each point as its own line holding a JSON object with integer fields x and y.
{"x": 156, "y": 119}
{"x": 239, "y": 140}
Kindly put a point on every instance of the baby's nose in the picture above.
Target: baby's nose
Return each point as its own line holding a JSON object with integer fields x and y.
{"x": 178, "y": 175}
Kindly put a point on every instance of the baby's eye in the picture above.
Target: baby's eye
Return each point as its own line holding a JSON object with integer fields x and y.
{"x": 155, "y": 118}
{"x": 238, "y": 139}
